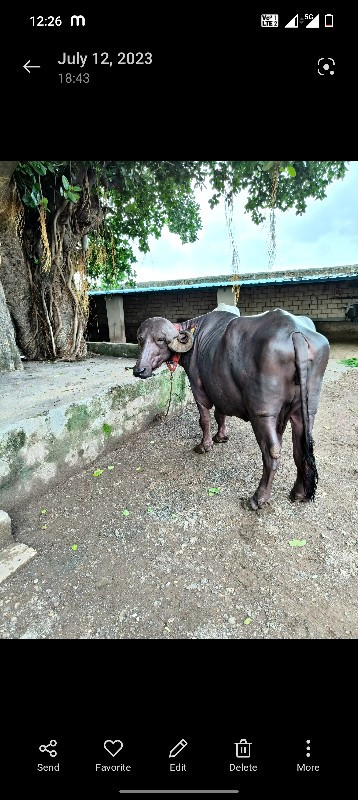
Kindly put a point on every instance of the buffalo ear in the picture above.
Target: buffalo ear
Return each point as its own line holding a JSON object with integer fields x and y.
{"x": 182, "y": 342}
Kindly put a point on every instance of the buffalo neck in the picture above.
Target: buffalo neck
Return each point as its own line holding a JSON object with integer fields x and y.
{"x": 196, "y": 323}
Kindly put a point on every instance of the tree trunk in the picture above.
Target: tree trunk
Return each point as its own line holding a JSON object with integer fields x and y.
{"x": 9, "y": 354}
{"x": 44, "y": 276}
{"x": 55, "y": 262}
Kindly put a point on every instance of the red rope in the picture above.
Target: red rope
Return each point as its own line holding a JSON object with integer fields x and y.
{"x": 175, "y": 358}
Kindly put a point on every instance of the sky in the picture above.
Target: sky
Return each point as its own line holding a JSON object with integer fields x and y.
{"x": 325, "y": 236}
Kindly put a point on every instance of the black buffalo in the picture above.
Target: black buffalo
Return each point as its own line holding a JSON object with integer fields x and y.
{"x": 266, "y": 369}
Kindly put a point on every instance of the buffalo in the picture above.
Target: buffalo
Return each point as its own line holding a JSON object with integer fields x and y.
{"x": 265, "y": 369}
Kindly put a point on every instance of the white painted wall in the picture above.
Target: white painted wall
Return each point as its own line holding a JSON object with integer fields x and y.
{"x": 115, "y": 316}
{"x": 226, "y": 295}
{"x": 226, "y": 300}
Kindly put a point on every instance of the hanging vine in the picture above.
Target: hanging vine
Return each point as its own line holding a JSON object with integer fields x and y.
{"x": 235, "y": 264}
{"x": 272, "y": 218}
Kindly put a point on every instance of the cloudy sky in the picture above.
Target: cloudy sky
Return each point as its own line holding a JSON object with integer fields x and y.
{"x": 325, "y": 236}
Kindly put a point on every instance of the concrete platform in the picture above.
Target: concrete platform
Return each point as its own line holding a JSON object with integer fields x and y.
{"x": 14, "y": 557}
{"x": 338, "y": 331}
{"x": 57, "y": 416}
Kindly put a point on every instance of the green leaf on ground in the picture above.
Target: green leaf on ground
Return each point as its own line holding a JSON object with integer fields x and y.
{"x": 125, "y": 512}
{"x": 43, "y": 527}
{"x": 213, "y": 490}
{"x": 43, "y": 511}
{"x": 349, "y": 362}
{"x": 297, "y": 542}
{"x": 74, "y": 547}
{"x": 138, "y": 469}
{"x": 110, "y": 467}
{"x": 150, "y": 509}
{"x": 97, "y": 472}
{"x": 247, "y": 621}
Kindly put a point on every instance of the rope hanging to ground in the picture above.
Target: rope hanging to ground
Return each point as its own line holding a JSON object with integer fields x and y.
{"x": 170, "y": 394}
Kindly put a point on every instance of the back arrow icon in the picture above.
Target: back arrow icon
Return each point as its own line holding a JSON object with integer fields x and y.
{"x": 29, "y": 66}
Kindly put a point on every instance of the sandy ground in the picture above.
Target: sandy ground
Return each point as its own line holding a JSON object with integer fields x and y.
{"x": 183, "y": 564}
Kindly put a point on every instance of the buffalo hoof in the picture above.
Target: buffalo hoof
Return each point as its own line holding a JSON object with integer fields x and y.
{"x": 220, "y": 439}
{"x": 297, "y": 497}
{"x": 256, "y": 504}
{"x": 200, "y": 448}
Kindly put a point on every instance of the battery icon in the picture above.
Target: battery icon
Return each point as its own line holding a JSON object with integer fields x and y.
{"x": 328, "y": 21}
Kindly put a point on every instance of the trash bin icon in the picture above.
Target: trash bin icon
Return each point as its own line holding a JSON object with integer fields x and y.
{"x": 243, "y": 748}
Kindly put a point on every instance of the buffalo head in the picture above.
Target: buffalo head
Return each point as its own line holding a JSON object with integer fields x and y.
{"x": 156, "y": 338}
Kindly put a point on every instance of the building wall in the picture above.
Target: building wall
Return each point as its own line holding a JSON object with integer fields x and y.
{"x": 316, "y": 300}
{"x": 320, "y": 301}
{"x": 97, "y": 328}
{"x": 174, "y": 305}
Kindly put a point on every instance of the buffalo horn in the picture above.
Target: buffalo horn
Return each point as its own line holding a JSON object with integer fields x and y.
{"x": 181, "y": 347}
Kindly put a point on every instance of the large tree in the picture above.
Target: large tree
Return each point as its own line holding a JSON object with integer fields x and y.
{"x": 9, "y": 354}
{"x": 64, "y": 222}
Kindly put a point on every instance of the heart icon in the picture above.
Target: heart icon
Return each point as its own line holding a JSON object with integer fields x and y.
{"x": 113, "y": 746}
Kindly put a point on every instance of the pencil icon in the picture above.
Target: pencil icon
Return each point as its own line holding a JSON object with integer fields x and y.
{"x": 178, "y": 748}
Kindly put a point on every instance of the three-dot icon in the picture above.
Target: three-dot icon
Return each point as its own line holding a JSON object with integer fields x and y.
{"x": 308, "y": 749}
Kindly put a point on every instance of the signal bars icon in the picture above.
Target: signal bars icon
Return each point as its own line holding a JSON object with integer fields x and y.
{"x": 313, "y": 22}
{"x": 293, "y": 23}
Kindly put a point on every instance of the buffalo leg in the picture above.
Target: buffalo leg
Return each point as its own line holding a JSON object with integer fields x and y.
{"x": 222, "y": 434}
{"x": 270, "y": 441}
{"x": 298, "y": 490}
{"x": 204, "y": 422}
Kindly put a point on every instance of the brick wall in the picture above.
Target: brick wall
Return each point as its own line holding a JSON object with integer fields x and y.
{"x": 320, "y": 300}
{"x": 316, "y": 300}
{"x": 174, "y": 305}
{"x": 97, "y": 328}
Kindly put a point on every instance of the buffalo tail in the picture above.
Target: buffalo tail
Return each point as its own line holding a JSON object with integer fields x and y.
{"x": 310, "y": 474}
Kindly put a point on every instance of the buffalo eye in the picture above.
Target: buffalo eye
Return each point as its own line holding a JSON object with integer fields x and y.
{"x": 160, "y": 340}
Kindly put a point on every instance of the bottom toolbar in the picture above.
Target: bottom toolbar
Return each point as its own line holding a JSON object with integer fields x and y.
{"x": 177, "y": 762}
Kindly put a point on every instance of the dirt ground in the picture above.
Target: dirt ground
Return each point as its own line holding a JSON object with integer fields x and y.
{"x": 186, "y": 565}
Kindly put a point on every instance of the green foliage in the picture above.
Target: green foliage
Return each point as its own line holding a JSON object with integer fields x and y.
{"x": 31, "y": 189}
{"x": 130, "y": 201}
{"x": 68, "y": 191}
{"x": 349, "y": 362}
{"x": 140, "y": 197}
{"x": 298, "y": 180}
